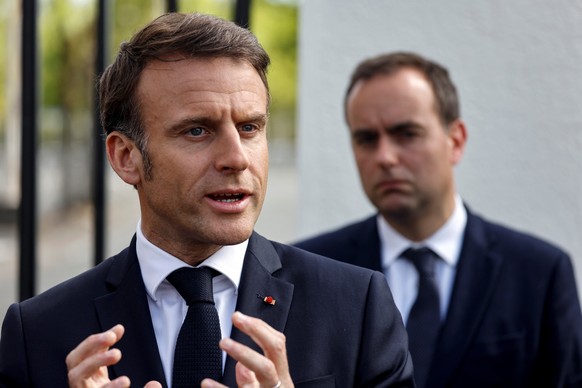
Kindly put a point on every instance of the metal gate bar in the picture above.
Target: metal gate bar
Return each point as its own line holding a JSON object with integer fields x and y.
{"x": 27, "y": 207}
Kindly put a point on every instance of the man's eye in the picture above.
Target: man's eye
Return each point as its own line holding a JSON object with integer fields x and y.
{"x": 197, "y": 131}
{"x": 408, "y": 134}
{"x": 247, "y": 128}
{"x": 365, "y": 138}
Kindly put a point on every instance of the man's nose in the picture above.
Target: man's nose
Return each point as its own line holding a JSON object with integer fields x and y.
{"x": 387, "y": 153}
{"x": 231, "y": 153}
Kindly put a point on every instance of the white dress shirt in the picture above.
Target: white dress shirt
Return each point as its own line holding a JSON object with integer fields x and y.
{"x": 168, "y": 309}
{"x": 401, "y": 273}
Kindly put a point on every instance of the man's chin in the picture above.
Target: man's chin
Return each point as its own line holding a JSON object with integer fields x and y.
{"x": 396, "y": 208}
{"x": 232, "y": 234}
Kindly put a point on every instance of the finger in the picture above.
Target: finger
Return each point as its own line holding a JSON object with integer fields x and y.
{"x": 270, "y": 340}
{"x": 89, "y": 360}
{"x": 263, "y": 368}
{"x": 95, "y": 368}
{"x": 120, "y": 382}
{"x": 153, "y": 384}
{"x": 94, "y": 343}
{"x": 245, "y": 377}
{"x": 209, "y": 383}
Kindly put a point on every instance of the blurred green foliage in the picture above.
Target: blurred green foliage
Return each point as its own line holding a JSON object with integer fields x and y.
{"x": 66, "y": 32}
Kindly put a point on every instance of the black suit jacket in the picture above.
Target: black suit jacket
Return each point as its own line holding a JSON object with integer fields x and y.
{"x": 514, "y": 317}
{"x": 341, "y": 324}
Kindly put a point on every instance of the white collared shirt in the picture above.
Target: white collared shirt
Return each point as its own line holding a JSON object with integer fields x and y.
{"x": 401, "y": 273}
{"x": 168, "y": 309}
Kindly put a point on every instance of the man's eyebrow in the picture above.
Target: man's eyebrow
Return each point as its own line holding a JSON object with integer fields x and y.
{"x": 392, "y": 128}
{"x": 403, "y": 126}
{"x": 260, "y": 118}
{"x": 189, "y": 121}
{"x": 356, "y": 131}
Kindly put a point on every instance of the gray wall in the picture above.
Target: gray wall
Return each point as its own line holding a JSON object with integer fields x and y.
{"x": 518, "y": 67}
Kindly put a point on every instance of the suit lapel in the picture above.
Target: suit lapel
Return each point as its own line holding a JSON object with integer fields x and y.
{"x": 257, "y": 281}
{"x": 477, "y": 272}
{"x": 127, "y": 304}
{"x": 367, "y": 243}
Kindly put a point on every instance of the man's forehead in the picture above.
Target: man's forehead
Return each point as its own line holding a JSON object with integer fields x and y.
{"x": 203, "y": 69}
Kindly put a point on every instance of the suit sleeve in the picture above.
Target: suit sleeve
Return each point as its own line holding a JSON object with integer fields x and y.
{"x": 13, "y": 366}
{"x": 384, "y": 357}
{"x": 560, "y": 361}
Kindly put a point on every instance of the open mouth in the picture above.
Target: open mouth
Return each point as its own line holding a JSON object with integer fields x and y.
{"x": 227, "y": 198}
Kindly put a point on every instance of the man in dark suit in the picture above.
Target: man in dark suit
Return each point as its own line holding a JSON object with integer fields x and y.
{"x": 185, "y": 106}
{"x": 490, "y": 306}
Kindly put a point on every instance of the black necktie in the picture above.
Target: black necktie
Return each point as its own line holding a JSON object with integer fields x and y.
{"x": 197, "y": 355}
{"x": 424, "y": 320}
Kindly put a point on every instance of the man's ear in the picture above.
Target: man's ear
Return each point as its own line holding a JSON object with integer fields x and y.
{"x": 124, "y": 157}
{"x": 457, "y": 139}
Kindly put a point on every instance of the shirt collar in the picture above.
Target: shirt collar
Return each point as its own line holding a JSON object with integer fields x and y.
{"x": 156, "y": 264}
{"x": 445, "y": 242}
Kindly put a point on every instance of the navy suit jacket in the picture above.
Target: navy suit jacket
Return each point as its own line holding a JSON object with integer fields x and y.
{"x": 340, "y": 321}
{"x": 514, "y": 317}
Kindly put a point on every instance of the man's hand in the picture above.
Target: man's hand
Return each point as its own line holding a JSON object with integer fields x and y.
{"x": 87, "y": 363}
{"x": 254, "y": 369}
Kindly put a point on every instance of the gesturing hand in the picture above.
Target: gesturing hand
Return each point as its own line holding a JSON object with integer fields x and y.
{"x": 87, "y": 363}
{"x": 253, "y": 369}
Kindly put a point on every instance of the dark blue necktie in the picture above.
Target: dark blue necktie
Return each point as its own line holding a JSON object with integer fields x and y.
{"x": 197, "y": 355}
{"x": 424, "y": 319}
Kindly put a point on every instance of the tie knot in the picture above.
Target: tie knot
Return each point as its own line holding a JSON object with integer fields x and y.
{"x": 193, "y": 284}
{"x": 422, "y": 258}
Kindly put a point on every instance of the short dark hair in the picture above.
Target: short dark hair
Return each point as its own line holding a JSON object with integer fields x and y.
{"x": 188, "y": 35}
{"x": 445, "y": 92}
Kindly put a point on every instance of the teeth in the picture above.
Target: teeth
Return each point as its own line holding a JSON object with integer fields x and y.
{"x": 227, "y": 197}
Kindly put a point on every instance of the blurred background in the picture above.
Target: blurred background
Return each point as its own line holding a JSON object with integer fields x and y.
{"x": 517, "y": 65}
